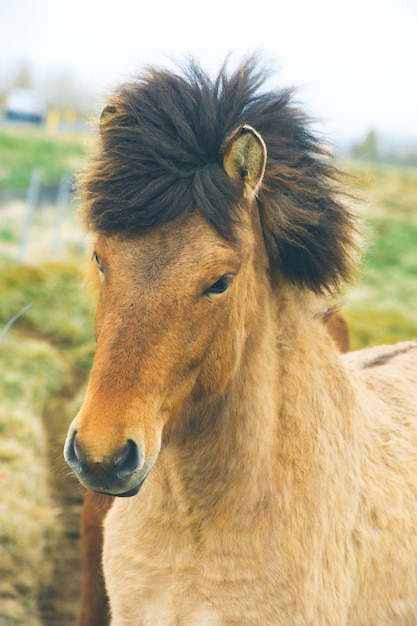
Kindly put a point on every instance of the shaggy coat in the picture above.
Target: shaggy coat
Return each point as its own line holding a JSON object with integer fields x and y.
{"x": 94, "y": 602}
{"x": 263, "y": 478}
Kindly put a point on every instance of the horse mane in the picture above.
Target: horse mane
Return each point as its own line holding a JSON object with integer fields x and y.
{"x": 160, "y": 155}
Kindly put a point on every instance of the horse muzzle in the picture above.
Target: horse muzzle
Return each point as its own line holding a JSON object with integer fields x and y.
{"x": 121, "y": 474}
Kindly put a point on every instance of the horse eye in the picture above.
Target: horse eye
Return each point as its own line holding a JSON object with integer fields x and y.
{"x": 97, "y": 260}
{"x": 219, "y": 286}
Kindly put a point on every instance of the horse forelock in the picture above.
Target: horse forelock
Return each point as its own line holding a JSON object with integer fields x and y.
{"x": 161, "y": 155}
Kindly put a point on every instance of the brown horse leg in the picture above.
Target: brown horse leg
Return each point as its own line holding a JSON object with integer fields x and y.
{"x": 94, "y": 609}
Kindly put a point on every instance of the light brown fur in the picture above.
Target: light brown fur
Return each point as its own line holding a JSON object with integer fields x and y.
{"x": 277, "y": 478}
{"x": 94, "y": 603}
{"x": 294, "y": 503}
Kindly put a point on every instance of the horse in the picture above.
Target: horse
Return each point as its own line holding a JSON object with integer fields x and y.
{"x": 260, "y": 477}
{"x": 94, "y": 610}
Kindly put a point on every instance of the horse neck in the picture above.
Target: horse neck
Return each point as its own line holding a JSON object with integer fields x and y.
{"x": 269, "y": 414}
{"x": 224, "y": 441}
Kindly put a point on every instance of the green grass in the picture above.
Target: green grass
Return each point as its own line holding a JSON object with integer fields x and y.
{"x": 60, "y": 308}
{"x": 381, "y": 306}
{"x": 8, "y": 234}
{"x": 21, "y": 151}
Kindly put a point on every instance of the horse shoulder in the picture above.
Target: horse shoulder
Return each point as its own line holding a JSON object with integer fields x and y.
{"x": 389, "y": 375}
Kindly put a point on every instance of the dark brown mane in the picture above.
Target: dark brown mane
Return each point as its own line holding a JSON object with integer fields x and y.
{"x": 160, "y": 156}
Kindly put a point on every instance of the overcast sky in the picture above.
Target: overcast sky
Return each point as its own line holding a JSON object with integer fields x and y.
{"x": 353, "y": 63}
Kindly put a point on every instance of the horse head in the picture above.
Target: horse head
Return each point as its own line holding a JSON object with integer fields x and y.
{"x": 172, "y": 323}
{"x": 204, "y": 196}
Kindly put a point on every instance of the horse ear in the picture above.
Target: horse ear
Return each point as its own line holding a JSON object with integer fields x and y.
{"x": 106, "y": 113}
{"x": 244, "y": 157}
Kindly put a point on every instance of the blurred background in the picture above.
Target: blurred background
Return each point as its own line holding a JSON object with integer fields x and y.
{"x": 353, "y": 66}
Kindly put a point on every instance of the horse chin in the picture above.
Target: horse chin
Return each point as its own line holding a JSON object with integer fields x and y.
{"x": 126, "y": 494}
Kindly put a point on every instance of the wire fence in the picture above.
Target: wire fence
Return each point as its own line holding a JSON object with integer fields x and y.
{"x": 35, "y": 229}
{"x": 12, "y": 320}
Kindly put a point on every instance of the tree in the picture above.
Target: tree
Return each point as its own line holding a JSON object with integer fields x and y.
{"x": 367, "y": 149}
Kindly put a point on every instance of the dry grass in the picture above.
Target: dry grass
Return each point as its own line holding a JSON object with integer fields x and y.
{"x": 41, "y": 355}
{"x": 385, "y": 191}
{"x": 27, "y": 516}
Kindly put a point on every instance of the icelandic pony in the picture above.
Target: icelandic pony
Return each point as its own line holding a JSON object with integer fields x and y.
{"x": 94, "y": 610}
{"x": 261, "y": 477}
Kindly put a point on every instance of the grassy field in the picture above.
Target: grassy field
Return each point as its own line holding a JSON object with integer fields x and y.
{"x": 381, "y": 305}
{"x": 47, "y": 352}
{"x": 21, "y": 150}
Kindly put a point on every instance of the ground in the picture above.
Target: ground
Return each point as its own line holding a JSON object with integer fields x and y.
{"x": 59, "y": 600}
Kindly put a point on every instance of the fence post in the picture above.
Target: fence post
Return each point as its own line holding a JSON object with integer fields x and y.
{"x": 31, "y": 202}
{"x": 61, "y": 205}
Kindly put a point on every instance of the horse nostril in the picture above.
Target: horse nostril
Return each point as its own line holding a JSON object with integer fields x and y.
{"x": 71, "y": 455}
{"x": 119, "y": 466}
{"x": 129, "y": 461}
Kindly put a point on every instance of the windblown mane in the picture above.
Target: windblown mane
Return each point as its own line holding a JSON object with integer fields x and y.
{"x": 161, "y": 153}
